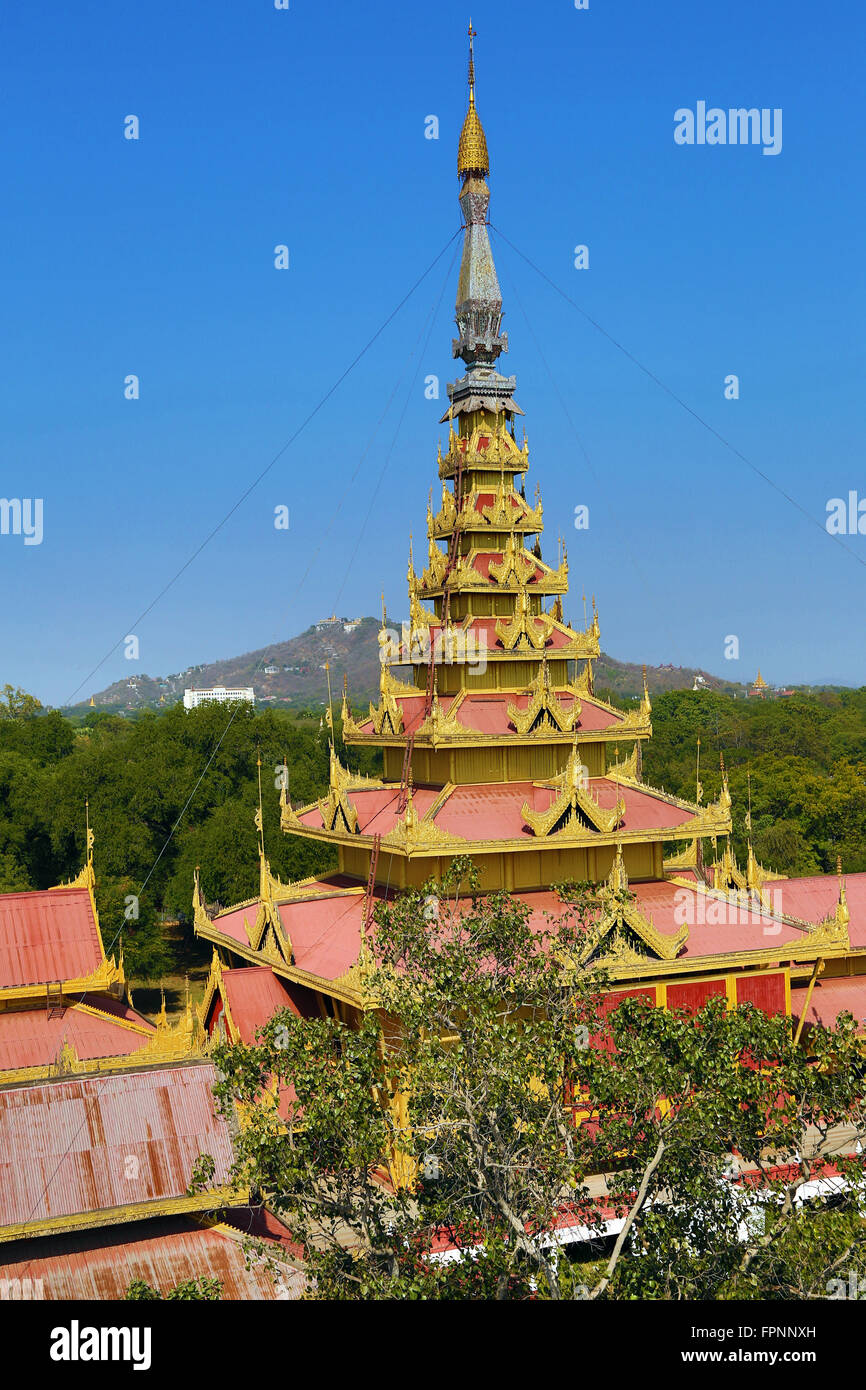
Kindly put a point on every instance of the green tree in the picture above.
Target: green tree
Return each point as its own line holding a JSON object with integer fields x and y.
{"x": 685, "y": 1104}
{"x": 465, "y": 1076}
{"x": 475, "y": 1025}
{"x": 15, "y": 703}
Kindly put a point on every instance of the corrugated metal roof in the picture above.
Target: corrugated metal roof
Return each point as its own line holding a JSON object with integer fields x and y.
{"x": 162, "y": 1252}
{"x": 47, "y": 936}
{"x": 101, "y": 1142}
{"x": 33, "y": 1037}
{"x": 830, "y": 998}
{"x": 814, "y": 898}
{"x": 254, "y": 994}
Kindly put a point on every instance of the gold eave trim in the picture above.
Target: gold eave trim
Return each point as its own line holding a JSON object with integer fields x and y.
{"x": 590, "y": 840}
{"x": 472, "y": 740}
{"x": 136, "y": 1211}
{"x": 720, "y": 965}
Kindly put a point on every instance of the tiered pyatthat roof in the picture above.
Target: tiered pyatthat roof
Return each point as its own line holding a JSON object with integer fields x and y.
{"x": 496, "y": 745}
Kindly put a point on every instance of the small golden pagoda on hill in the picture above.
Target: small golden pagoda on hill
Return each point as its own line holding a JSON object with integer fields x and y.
{"x": 496, "y": 747}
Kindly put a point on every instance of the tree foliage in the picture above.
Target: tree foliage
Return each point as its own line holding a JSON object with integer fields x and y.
{"x": 471, "y": 1077}
{"x": 166, "y": 792}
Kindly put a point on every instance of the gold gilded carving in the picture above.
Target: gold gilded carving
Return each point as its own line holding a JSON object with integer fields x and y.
{"x": 630, "y": 936}
{"x": 337, "y": 811}
{"x": 627, "y": 770}
{"x": 544, "y": 711}
{"x": 524, "y": 626}
{"x": 575, "y": 809}
{"x": 515, "y": 564}
{"x": 388, "y": 716}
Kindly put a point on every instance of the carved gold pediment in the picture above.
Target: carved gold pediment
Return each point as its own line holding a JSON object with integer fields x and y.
{"x": 387, "y": 716}
{"x": 574, "y": 809}
{"x": 516, "y": 563}
{"x": 544, "y": 712}
{"x": 524, "y": 626}
{"x": 627, "y": 769}
{"x": 437, "y": 565}
{"x": 624, "y": 935}
{"x": 441, "y": 724}
{"x": 336, "y": 809}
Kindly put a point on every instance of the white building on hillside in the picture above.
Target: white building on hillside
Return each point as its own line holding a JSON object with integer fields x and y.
{"x": 218, "y": 695}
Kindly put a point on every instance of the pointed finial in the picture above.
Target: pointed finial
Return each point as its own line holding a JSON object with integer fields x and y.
{"x": 618, "y": 879}
{"x": 330, "y": 710}
{"x": 472, "y": 157}
{"x": 260, "y": 825}
{"x": 88, "y": 834}
{"x": 472, "y": 35}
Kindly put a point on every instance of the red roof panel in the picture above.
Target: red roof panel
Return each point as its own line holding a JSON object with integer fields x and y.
{"x": 47, "y": 936}
{"x": 830, "y": 998}
{"x": 34, "y": 1037}
{"x": 814, "y": 898}
{"x": 254, "y": 994}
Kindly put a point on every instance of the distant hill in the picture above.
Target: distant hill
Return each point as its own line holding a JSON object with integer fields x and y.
{"x": 292, "y": 673}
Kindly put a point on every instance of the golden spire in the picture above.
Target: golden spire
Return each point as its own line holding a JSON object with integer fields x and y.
{"x": 472, "y": 156}
{"x": 842, "y": 913}
{"x": 330, "y": 713}
{"x": 260, "y": 827}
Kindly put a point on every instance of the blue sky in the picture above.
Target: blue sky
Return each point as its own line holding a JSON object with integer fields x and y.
{"x": 306, "y": 127}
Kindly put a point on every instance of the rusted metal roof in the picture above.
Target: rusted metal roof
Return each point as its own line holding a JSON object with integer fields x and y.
{"x": 47, "y": 936}
{"x": 162, "y": 1252}
{"x": 35, "y": 1037}
{"x": 105, "y": 1142}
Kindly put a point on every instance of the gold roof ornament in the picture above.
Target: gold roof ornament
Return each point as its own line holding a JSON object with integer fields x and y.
{"x": 472, "y": 156}
{"x": 524, "y": 626}
{"x": 336, "y": 809}
{"x": 387, "y": 716}
{"x": 575, "y": 810}
{"x": 624, "y": 935}
{"x": 347, "y": 721}
{"x": 543, "y": 711}
{"x": 617, "y": 879}
{"x": 515, "y": 562}
{"x": 583, "y": 684}
{"x": 843, "y": 916}
{"x": 626, "y": 769}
